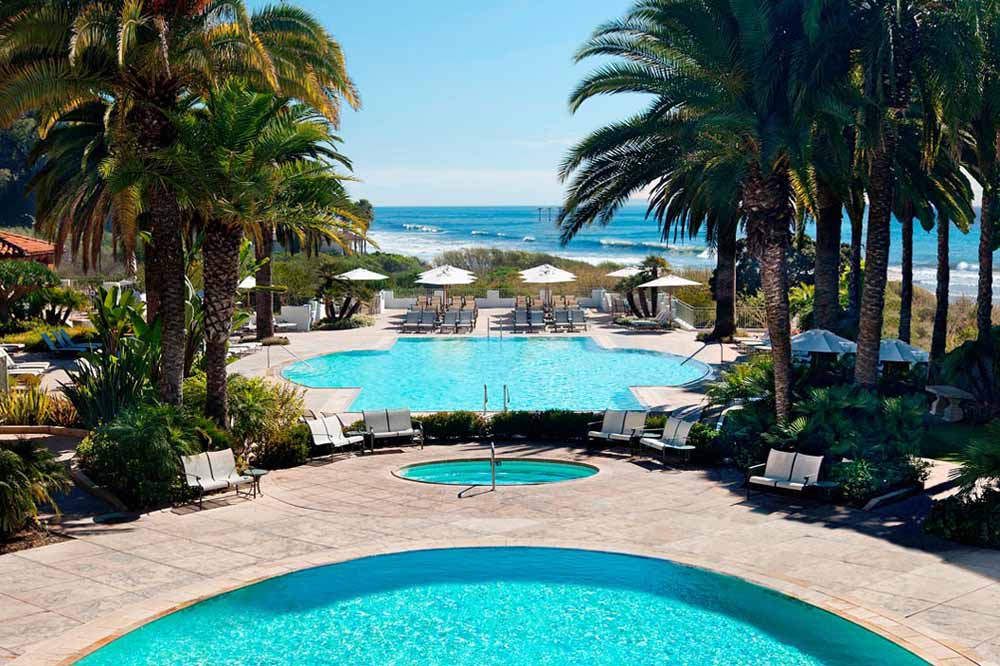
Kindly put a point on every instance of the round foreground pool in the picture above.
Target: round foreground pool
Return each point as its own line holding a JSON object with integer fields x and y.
{"x": 501, "y": 606}
{"x": 510, "y": 472}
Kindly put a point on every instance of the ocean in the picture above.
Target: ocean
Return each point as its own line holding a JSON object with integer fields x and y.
{"x": 425, "y": 232}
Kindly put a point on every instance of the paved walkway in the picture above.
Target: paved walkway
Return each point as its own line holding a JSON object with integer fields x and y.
{"x": 939, "y": 599}
{"x": 385, "y": 332}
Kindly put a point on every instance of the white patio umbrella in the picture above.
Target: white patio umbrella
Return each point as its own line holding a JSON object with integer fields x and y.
{"x": 627, "y": 272}
{"x": 669, "y": 282}
{"x": 546, "y": 274}
{"x": 897, "y": 351}
{"x": 443, "y": 276}
{"x": 362, "y": 275}
{"x": 249, "y": 282}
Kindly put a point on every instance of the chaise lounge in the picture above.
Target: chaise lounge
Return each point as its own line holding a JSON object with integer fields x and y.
{"x": 785, "y": 470}
{"x": 328, "y": 430}
{"x": 212, "y": 471}
{"x": 392, "y": 424}
{"x": 672, "y": 438}
{"x": 618, "y": 426}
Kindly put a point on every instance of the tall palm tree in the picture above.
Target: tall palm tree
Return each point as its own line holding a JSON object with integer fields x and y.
{"x": 735, "y": 90}
{"x": 983, "y": 161}
{"x": 58, "y": 55}
{"x": 905, "y": 47}
{"x": 257, "y": 159}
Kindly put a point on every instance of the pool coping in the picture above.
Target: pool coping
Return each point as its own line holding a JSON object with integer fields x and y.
{"x": 711, "y": 371}
{"x": 395, "y": 471}
{"x": 79, "y": 642}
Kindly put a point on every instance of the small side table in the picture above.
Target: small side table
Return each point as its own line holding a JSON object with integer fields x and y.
{"x": 826, "y": 489}
{"x": 257, "y": 474}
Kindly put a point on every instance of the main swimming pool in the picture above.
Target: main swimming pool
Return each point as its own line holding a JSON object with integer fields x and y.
{"x": 444, "y": 374}
{"x": 502, "y": 606}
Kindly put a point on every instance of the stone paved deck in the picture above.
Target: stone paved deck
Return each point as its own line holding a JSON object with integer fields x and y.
{"x": 940, "y": 599}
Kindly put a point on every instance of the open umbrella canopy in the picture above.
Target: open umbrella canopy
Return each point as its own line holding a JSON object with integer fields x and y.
{"x": 248, "y": 282}
{"x": 446, "y": 275}
{"x": 668, "y": 281}
{"x": 630, "y": 271}
{"x": 820, "y": 341}
{"x": 546, "y": 274}
{"x": 362, "y": 275}
{"x": 897, "y": 351}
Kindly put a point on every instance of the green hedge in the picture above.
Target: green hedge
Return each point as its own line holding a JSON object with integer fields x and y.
{"x": 969, "y": 519}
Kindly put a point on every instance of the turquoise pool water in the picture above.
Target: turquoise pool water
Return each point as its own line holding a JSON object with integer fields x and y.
{"x": 509, "y": 472}
{"x": 444, "y": 374}
{"x": 501, "y": 607}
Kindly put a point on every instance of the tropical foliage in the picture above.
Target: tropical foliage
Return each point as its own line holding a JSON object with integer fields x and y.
{"x": 29, "y": 475}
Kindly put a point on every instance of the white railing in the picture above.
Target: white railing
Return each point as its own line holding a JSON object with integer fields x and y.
{"x": 696, "y": 317}
{"x": 750, "y": 317}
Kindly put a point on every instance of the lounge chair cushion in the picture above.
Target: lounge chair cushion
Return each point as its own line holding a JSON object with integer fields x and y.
{"x": 399, "y": 420}
{"x": 790, "y": 485}
{"x": 376, "y": 421}
{"x": 320, "y": 434}
{"x": 197, "y": 470}
{"x": 635, "y": 422}
{"x": 806, "y": 469}
{"x": 779, "y": 465}
{"x": 764, "y": 481}
{"x": 614, "y": 421}
{"x": 392, "y": 434}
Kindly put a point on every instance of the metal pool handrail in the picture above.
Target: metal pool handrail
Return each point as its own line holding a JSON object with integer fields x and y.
{"x": 493, "y": 466}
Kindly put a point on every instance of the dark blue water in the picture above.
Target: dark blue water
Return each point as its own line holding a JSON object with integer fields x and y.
{"x": 428, "y": 231}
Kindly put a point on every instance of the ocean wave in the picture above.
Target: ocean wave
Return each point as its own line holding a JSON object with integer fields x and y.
{"x": 528, "y": 239}
{"x": 423, "y": 228}
{"x": 478, "y": 232}
{"x": 614, "y": 242}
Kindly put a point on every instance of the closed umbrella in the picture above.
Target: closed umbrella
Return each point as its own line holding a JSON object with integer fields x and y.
{"x": 546, "y": 274}
{"x": 669, "y": 282}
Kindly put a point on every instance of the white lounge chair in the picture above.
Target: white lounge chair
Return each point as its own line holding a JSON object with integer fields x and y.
{"x": 577, "y": 317}
{"x": 198, "y": 475}
{"x": 391, "y": 424}
{"x": 662, "y": 320}
{"x": 223, "y": 465}
{"x": 328, "y": 430}
{"x": 619, "y": 426}
{"x": 24, "y": 368}
{"x": 785, "y": 470}
{"x": 672, "y": 438}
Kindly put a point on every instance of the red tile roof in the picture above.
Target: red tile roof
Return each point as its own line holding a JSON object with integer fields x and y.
{"x": 13, "y": 246}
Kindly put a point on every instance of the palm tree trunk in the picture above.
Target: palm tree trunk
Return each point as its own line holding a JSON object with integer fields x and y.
{"x": 883, "y": 183}
{"x": 221, "y": 252}
{"x": 939, "y": 338}
{"x": 168, "y": 245}
{"x": 769, "y": 218}
{"x": 643, "y": 303}
{"x": 264, "y": 296}
{"x": 152, "y": 280}
{"x": 826, "y": 309}
{"x": 725, "y": 284}
{"x": 984, "y": 294}
{"x": 906, "y": 286}
{"x": 854, "y": 281}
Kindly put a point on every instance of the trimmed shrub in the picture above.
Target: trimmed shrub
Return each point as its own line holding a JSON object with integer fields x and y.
{"x": 967, "y": 518}
{"x": 453, "y": 425}
{"x": 137, "y": 456}
{"x": 356, "y": 321}
{"x": 29, "y": 474}
{"x": 548, "y": 425}
{"x": 287, "y": 448}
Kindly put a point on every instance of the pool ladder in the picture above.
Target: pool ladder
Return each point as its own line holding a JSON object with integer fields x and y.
{"x": 486, "y": 398}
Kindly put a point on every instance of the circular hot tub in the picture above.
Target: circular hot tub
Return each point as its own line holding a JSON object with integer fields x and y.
{"x": 509, "y": 472}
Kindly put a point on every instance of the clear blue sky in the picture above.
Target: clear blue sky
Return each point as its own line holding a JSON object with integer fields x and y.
{"x": 464, "y": 101}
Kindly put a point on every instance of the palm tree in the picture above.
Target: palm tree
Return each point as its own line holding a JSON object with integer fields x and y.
{"x": 734, "y": 95}
{"x": 256, "y": 159}
{"x": 58, "y": 55}
{"x": 983, "y": 162}
{"x": 939, "y": 335}
{"x": 905, "y": 47}
{"x": 616, "y": 162}
{"x": 925, "y": 192}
